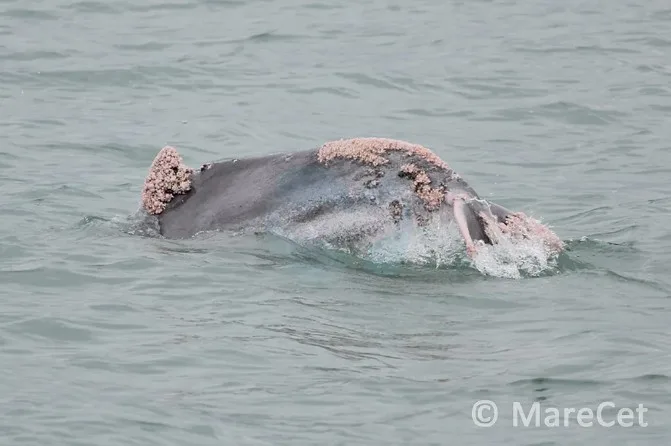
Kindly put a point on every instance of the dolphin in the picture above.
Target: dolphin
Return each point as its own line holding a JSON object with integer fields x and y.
{"x": 358, "y": 187}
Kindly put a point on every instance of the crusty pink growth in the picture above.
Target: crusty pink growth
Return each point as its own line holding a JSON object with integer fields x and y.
{"x": 422, "y": 178}
{"x": 168, "y": 176}
{"x": 410, "y": 169}
{"x": 518, "y": 226}
{"x": 432, "y": 197}
{"x": 373, "y": 150}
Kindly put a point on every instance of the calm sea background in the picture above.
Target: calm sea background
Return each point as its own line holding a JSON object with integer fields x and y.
{"x": 559, "y": 109}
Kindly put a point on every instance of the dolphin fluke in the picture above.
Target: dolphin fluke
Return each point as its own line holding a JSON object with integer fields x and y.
{"x": 168, "y": 176}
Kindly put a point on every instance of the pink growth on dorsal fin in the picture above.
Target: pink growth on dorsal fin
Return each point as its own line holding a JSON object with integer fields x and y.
{"x": 167, "y": 177}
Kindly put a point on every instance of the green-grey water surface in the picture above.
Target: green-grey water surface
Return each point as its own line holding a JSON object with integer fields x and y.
{"x": 560, "y": 109}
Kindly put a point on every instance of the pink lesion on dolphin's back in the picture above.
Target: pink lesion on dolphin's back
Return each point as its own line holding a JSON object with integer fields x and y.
{"x": 167, "y": 177}
{"x": 373, "y": 151}
{"x": 410, "y": 169}
{"x": 432, "y": 197}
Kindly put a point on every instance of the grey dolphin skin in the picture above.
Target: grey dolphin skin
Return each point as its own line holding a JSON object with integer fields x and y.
{"x": 384, "y": 180}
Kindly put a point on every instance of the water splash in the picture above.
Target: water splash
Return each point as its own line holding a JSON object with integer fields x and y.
{"x": 370, "y": 237}
{"x": 436, "y": 244}
{"x": 515, "y": 259}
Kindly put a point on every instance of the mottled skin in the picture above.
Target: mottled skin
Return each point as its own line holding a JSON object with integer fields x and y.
{"x": 288, "y": 189}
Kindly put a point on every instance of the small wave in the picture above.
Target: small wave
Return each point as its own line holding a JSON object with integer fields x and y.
{"x": 138, "y": 224}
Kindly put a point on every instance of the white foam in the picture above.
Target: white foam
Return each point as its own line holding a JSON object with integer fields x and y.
{"x": 438, "y": 243}
{"x": 514, "y": 260}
